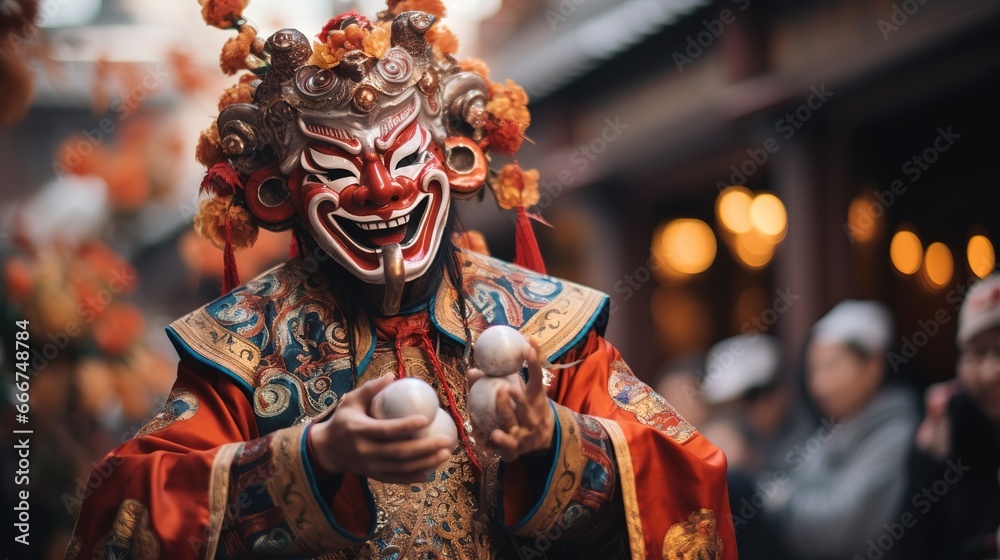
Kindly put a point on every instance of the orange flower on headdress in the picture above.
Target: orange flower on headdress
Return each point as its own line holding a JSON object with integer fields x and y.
{"x": 475, "y": 66}
{"x": 337, "y": 42}
{"x": 508, "y": 107}
{"x": 515, "y": 187}
{"x": 509, "y": 102}
{"x": 378, "y": 40}
{"x": 210, "y": 222}
{"x": 209, "y": 149}
{"x": 434, "y": 7}
{"x": 241, "y": 92}
{"x": 236, "y": 50}
{"x": 222, "y": 13}
{"x": 442, "y": 39}
{"x": 325, "y": 57}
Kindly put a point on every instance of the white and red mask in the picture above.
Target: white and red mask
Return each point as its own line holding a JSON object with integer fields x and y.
{"x": 360, "y": 190}
{"x": 367, "y": 154}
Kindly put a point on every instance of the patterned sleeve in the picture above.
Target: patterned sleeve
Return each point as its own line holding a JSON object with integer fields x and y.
{"x": 569, "y": 492}
{"x": 199, "y": 482}
{"x": 626, "y": 462}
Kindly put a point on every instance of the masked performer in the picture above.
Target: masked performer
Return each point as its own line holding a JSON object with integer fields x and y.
{"x": 266, "y": 447}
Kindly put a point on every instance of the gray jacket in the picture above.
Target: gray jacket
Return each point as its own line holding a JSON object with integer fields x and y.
{"x": 847, "y": 479}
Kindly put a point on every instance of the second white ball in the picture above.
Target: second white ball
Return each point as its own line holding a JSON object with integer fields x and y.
{"x": 483, "y": 401}
{"x": 500, "y": 351}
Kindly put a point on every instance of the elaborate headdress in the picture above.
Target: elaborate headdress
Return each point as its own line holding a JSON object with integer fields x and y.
{"x": 368, "y": 133}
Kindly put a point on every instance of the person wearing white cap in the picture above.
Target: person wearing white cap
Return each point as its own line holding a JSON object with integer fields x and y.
{"x": 959, "y": 442}
{"x": 754, "y": 423}
{"x": 743, "y": 381}
{"x": 737, "y": 365}
{"x": 846, "y": 481}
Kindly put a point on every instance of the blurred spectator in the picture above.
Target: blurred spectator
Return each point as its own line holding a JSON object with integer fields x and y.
{"x": 743, "y": 380}
{"x": 752, "y": 424}
{"x": 846, "y": 480}
{"x": 954, "y": 503}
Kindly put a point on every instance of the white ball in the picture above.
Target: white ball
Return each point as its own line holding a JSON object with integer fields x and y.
{"x": 442, "y": 424}
{"x": 406, "y": 397}
{"x": 482, "y": 401}
{"x": 500, "y": 351}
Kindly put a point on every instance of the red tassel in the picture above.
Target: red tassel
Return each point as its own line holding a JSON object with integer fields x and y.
{"x": 456, "y": 416}
{"x": 526, "y": 251}
{"x": 230, "y": 276}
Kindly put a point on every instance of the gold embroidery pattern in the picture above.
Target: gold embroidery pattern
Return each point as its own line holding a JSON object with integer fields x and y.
{"x": 695, "y": 538}
{"x": 218, "y": 494}
{"x": 289, "y": 489}
{"x": 217, "y": 344}
{"x": 558, "y": 317}
{"x": 181, "y": 404}
{"x": 626, "y": 478}
{"x": 129, "y": 535}
{"x": 562, "y": 320}
{"x": 648, "y": 407}
{"x": 441, "y": 518}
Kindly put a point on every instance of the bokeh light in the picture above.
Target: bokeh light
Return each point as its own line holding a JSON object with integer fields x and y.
{"x": 732, "y": 209}
{"x": 686, "y": 245}
{"x": 754, "y": 250}
{"x": 906, "y": 252}
{"x": 938, "y": 265}
{"x": 981, "y": 256}
{"x": 768, "y": 216}
{"x": 863, "y": 222}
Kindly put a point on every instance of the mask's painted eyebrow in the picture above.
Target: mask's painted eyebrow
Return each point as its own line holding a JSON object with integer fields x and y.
{"x": 316, "y": 161}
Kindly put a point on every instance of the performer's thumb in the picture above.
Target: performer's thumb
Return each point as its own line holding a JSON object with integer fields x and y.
{"x": 372, "y": 387}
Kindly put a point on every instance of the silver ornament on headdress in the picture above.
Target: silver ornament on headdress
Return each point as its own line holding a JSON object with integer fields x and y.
{"x": 358, "y": 98}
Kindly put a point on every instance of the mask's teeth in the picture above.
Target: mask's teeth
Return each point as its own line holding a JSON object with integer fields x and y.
{"x": 372, "y": 226}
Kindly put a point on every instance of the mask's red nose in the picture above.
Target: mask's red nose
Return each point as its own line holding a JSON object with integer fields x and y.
{"x": 377, "y": 186}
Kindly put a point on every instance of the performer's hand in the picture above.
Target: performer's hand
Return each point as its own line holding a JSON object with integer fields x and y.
{"x": 386, "y": 450}
{"x": 529, "y": 425}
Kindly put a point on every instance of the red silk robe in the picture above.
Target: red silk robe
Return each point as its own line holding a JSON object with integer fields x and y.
{"x": 224, "y": 471}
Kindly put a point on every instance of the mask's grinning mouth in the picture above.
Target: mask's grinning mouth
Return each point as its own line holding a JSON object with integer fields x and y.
{"x": 360, "y": 231}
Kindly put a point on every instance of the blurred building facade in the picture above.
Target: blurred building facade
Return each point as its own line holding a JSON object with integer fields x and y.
{"x": 866, "y": 118}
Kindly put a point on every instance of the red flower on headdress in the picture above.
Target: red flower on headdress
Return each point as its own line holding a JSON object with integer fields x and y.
{"x": 221, "y": 179}
{"x": 505, "y": 136}
{"x": 336, "y": 23}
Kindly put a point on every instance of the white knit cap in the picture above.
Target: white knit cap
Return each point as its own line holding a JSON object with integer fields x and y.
{"x": 867, "y": 324}
{"x": 981, "y": 309}
{"x": 736, "y": 365}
